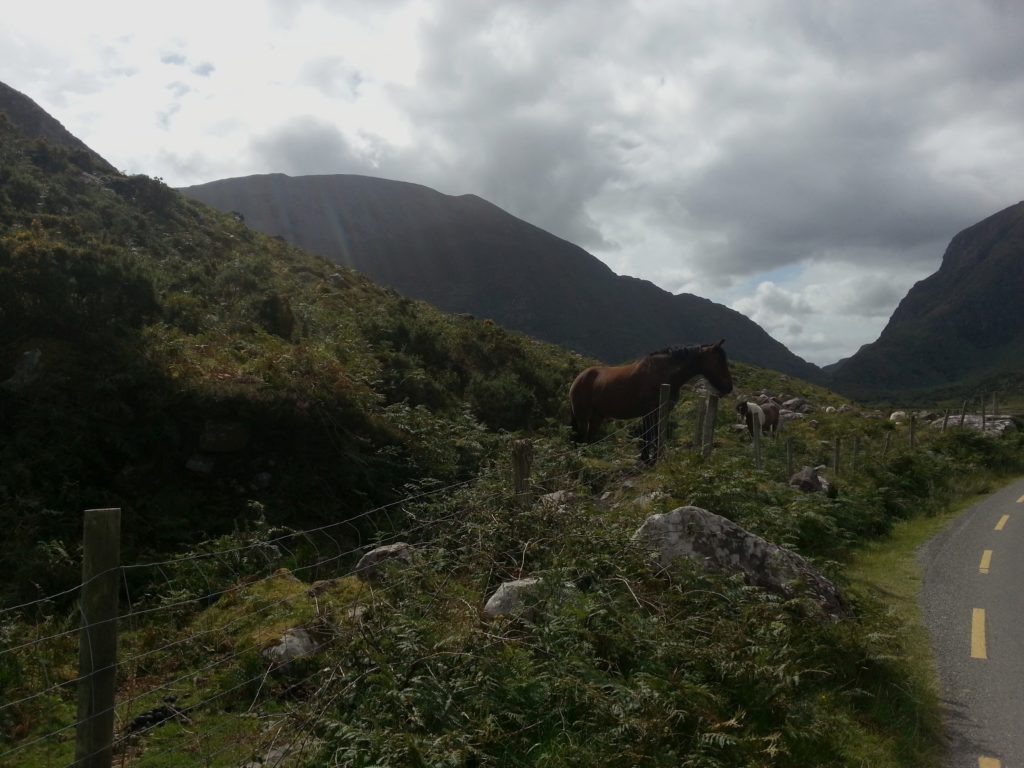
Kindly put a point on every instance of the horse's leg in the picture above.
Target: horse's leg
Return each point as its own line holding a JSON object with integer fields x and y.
{"x": 579, "y": 426}
{"x": 593, "y": 426}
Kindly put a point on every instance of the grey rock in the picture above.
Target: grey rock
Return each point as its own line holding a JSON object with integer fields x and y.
{"x": 510, "y": 598}
{"x": 26, "y": 371}
{"x": 720, "y": 545}
{"x": 798, "y": 404}
{"x": 647, "y": 499}
{"x": 994, "y": 425}
{"x": 559, "y": 500}
{"x": 223, "y": 437}
{"x": 294, "y": 644}
{"x": 369, "y": 566}
{"x": 809, "y": 481}
{"x": 201, "y": 465}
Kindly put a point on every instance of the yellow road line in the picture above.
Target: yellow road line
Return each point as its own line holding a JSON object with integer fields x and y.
{"x": 988, "y": 762}
{"x": 986, "y": 561}
{"x": 978, "y": 634}
{"x": 1002, "y": 522}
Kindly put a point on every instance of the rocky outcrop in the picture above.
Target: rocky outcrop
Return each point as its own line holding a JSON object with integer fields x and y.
{"x": 993, "y": 425}
{"x": 720, "y": 545}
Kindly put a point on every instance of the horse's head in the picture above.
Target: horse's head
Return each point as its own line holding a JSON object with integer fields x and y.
{"x": 713, "y": 365}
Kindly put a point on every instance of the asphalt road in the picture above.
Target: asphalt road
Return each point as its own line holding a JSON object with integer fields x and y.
{"x": 973, "y": 604}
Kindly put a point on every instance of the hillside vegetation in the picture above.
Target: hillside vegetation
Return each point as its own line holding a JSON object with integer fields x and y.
{"x": 161, "y": 357}
{"x": 263, "y": 418}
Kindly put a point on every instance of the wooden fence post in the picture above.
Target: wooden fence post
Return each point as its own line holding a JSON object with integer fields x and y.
{"x": 835, "y": 455}
{"x": 663, "y": 405}
{"x": 945, "y": 420}
{"x": 963, "y": 412}
{"x": 709, "y": 425}
{"x": 758, "y": 462}
{"x": 853, "y": 454}
{"x": 522, "y": 461}
{"x": 913, "y": 431}
{"x": 97, "y": 644}
{"x": 983, "y": 416}
{"x": 789, "y": 457}
{"x": 885, "y": 445}
{"x": 698, "y": 437}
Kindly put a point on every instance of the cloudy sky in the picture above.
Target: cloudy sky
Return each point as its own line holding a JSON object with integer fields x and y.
{"x": 804, "y": 162}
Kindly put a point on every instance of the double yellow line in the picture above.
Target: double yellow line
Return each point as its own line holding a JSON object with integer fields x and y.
{"x": 978, "y": 646}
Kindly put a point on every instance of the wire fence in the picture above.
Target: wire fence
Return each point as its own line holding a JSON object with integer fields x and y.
{"x": 142, "y": 707}
{"x": 160, "y": 635}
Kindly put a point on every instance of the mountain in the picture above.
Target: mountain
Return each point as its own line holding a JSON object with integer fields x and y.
{"x": 464, "y": 254}
{"x": 960, "y": 326}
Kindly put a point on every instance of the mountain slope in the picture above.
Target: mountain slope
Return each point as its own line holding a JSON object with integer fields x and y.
{"x": 159, "y": 356}
{"x": 464, "y": 254}
{"x": 33, "y": 122}
{"x": 962, "y": 324}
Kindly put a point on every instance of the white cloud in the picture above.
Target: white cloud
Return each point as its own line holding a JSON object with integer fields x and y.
{"x": 765, "y": 155}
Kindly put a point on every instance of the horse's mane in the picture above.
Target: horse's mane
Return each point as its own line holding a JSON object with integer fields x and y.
{"x": 674, "y": 351}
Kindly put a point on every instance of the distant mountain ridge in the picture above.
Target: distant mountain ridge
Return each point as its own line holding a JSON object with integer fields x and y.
{"x": 464, "y": 254}
{"x": 961, "y": 324}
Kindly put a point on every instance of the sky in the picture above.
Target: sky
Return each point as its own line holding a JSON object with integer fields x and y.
{"x": 803, "y": 162}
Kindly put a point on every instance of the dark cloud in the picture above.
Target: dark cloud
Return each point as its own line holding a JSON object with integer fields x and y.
{"x": 507, "y": 105}
{"x": 702, "y": 142}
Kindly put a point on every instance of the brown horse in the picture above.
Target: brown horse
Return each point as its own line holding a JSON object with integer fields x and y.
{"x": 631, "y": 391}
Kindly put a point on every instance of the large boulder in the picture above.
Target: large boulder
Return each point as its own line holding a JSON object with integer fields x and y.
{"x": 720, "y": 545}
